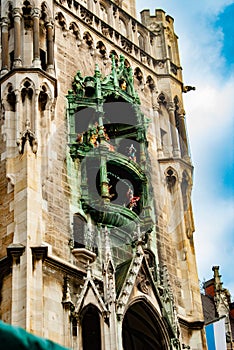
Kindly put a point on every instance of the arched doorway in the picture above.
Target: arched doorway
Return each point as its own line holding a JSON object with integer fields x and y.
{"x": 91, "y": 330}
{"x": 142, "y": 329}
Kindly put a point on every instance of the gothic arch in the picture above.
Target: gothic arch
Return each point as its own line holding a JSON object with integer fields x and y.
{"x": 116, "y": 56}
{"x": 61, "y": 20}
{"x": 143, "y": 327}
{"x": 171, "y": 177}
{"x": 127, "y": 63}
{"x": 123, "y": 27}
{"x": 163, "y": 99}
{"x": 104, "y": 12}
{"x": 43, "y": 99}
{"x": 90, "y": 328}
{"x": 27, "y": 7}
{"x": 45, "y": 89}
{"x": 178, "y": 105}
{"x": 150, "y": 82}
{"x": 46, "y": 14}
{"x": 88, "y": 39}
{"x": 27, "y": 91}
{"x": 141, "y": 40}
{"x": 164, "y": 123}
{"x": 28, "y": 82}
{"x": 180, "y": 126}
{"x": 5, "y": 7}
{"x": 73, "y": 27}
{"x": 139, "y": 75}
{"x": 9, "y": 98}
{"x": 102, "y": 48}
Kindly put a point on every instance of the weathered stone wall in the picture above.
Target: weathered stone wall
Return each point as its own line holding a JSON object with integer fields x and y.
{"x": 6, "y": 197}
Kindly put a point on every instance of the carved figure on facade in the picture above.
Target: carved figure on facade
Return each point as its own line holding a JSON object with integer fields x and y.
{"x": 75, "y": 30}
{"x": 121, "y": 77}
{"x": 88, "y": 39}
{"x": 61, "y": 20}
{"x": 102, "y": 48}
{"x": 143, "y": 282}
{"x": 78, "y": 84}
{"x": 155, "y": 28}
{"x": 27, "y": 136}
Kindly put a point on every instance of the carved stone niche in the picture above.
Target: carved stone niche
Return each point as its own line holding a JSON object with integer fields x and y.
{"x": 84, "y": 256}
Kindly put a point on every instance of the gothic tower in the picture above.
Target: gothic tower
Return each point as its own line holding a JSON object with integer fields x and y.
{"x": 96, "y": 224}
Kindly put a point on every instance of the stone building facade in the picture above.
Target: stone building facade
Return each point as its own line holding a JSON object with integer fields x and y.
{"x": 217, "y": 306}
{"x": 96, "y": 224}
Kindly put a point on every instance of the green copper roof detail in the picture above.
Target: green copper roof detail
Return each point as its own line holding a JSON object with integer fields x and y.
{"x": 97, "y": 87}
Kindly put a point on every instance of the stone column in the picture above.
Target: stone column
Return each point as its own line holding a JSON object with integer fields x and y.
{"x": 18, "y": 115}
{"x": 129, "y": 29}
{"x": 15, "y": 252}
{"x": 175, "y": 148}
{"x": 183, "y": 136}
{"x": 156, "y": 108}
{"x": 119, "y": 332}
{"x": 5, "y": 48}
{"x": 17, "y": 38}
{"x": 90, "y": 5}
{"x": 110, "y": 15}
{"x": 39, "y": 253}
{"x": 147, "y": 43}
{"x": 50, "y": 47}
{"x": 36, "y": 50}
{"x": 135, "y": 33}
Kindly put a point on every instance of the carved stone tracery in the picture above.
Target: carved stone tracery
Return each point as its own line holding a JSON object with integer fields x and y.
{"x": 27, "y": 135}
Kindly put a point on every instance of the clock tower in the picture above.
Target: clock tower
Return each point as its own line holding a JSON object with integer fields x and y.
{"x": 96, "y": 217}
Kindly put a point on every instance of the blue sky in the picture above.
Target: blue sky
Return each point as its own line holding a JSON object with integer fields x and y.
{"x": 206, "y": 43}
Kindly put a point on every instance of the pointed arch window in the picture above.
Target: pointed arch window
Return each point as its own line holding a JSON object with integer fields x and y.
{"x": 142, "y": 330}
{"x": 91, "y": 329}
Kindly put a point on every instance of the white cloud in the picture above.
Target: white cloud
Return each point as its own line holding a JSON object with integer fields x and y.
{"x": 213, "y": 241}
{"x": 210, "y": 121}
{"x": 210, "y": 111}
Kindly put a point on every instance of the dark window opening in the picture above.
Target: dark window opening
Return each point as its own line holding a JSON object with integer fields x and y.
{"x": 169, "y": 52}
{"x": 141, "y": 329}
{"x": 124, "y": 189}
{"x": 85, "y": 118}
{"x": 11, "y": 99}
{"x": 170, "y": 179}
{"x": 27, "y": 91}
{"x": 43, "y": 59}
{"x": 78, "y": 231}
{"x": 74, "y": 327}
{"x": 91, "y": 330}
{"x": 184, "y": 190}
{"x": 43, "y": 98}
{"x": 11, "y": 59}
